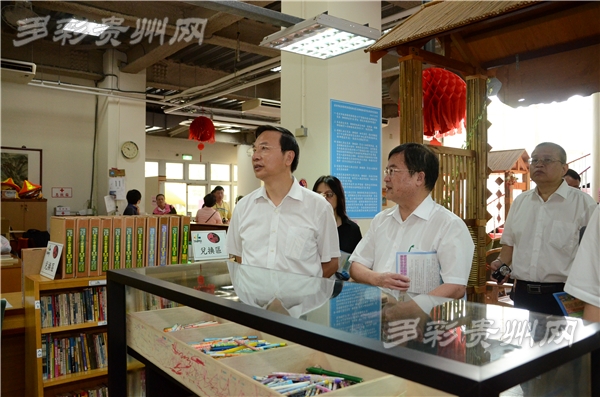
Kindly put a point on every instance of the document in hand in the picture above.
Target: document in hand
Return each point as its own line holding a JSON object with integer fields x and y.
{"x": 422, "y": 268}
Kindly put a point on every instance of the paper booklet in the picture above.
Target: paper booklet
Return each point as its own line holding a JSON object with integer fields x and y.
{"x": 423, "y": 269}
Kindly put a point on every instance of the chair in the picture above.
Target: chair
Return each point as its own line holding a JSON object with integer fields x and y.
{"x": 496, "y": 294}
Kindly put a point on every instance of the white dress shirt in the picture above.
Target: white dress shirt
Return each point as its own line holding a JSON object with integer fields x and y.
{"x": 584, "y": 278}
{"x": 430, "y": 227}
{"x": 545, "y": 235}
{"x": 296, "y": 236}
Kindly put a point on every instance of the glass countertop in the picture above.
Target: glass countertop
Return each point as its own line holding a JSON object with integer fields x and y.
{"x": 474, "y": 340}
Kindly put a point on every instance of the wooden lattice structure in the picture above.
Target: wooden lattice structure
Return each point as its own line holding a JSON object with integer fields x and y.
{"x": 524, "y": 44}
{"x": 509, "y": 169}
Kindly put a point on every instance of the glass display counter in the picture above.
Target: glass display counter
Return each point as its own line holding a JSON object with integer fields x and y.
{"x": 399, "y": 344}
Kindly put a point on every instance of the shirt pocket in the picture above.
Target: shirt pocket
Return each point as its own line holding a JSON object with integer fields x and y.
{"x": 563, "y": 236}
{"x": 298, "y": 243}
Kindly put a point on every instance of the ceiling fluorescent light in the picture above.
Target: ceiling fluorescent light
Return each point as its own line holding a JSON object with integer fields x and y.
{"x": 276, "y": 69}
{"x": 323, "y": 36}
{"x": 85, "y": 27}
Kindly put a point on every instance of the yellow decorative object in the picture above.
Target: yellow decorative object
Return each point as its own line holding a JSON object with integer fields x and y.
{"x": 30, "y": 190}
{"x": 9, "y": 184}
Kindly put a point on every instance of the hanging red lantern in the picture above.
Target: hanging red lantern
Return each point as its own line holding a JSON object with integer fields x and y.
{"x": 444, "y": 103}
{"x": 202, "y": 129}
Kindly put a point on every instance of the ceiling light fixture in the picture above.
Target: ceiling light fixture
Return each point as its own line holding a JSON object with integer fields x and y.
{"x": 276, "y": 69}
{"x": 85, "y": 27}
{"x": 323, "y": 37}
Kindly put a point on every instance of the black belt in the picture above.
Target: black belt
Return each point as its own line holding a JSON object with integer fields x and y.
{"x": 539, "y": 288}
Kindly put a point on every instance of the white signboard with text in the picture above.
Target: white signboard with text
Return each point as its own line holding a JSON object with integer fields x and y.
{"x": 209, "y": 244}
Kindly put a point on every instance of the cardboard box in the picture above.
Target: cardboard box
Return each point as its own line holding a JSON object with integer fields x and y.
{"x": 128, "y": 243}
{"x": 140, "y": 242}
{"x": 95, "y": 247}
{"x": 117, "y": 242}
{"x": 58, "y": 211}
{"x": 184, "y": 239}
{"x": 151, "y": 240}
{"x": 232, "y": 376}
{"x": 162, "y": 245}
{"x": 173, "y": 240}
{"x": 106, "y": 226}
{"x": 82, "y": 247}
{"x": 62, "y": 230}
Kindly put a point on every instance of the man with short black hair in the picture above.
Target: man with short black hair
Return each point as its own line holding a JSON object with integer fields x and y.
{"x": 415, "y": 224}
{"x": 572, "y": 178}
{"x": 541, "y": 232}
{"x": 282, "y": 225}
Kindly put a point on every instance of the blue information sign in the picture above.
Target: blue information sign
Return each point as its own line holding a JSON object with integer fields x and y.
{"x": 356, "y": 156}
{"x": 357, "y": 310}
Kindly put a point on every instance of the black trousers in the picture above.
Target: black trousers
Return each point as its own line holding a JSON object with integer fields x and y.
{"x": 526, "y": 297}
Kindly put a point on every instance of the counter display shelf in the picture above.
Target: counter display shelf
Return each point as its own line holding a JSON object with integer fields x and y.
{"x": 399, "y": 345}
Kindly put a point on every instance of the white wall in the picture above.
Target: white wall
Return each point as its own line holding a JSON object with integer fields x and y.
{"x": 62, "y": 125}
{"x": 171, "y": 149}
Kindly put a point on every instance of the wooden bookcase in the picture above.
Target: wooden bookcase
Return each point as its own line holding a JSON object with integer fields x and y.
{"x": 37, "y": 286}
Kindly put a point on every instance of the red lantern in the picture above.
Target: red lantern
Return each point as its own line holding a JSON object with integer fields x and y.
{"x": 202, "y": 129}
{"x": 444, "y": 103}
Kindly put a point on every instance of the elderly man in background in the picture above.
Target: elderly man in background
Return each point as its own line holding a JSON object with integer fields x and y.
{"x": 541, "y": 233}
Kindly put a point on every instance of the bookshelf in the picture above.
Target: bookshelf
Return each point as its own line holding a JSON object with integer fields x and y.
{"x": 77, "y": 320}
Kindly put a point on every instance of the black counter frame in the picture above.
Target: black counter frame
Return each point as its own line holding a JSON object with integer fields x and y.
{"x": 437, "y": 372}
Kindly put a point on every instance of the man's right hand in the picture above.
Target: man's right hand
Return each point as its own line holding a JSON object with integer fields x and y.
{"x": 495, "y": 265}
{"x": 392, "y": 281}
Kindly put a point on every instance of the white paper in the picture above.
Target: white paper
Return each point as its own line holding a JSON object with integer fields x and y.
{"x": 111, "y": 206}
{"x": 8, "y": 305}
{"x": 51, "y": 260}
{"x": 209, "y": 244}
{"x": 116, "y": 187}
{"x": 422, "y": 268}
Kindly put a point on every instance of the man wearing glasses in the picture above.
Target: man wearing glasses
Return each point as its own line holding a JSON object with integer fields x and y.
{"x": 541, "y": 233}
{"x": 416, "y": 224}
{"x": 282, "y": 225}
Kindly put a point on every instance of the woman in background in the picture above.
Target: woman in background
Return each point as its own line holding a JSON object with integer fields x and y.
{"x": 349, "y": 233}
{"x": 162, "y": 208}
{"x": 221, "y": 205}
{"x": 207, "y": 214}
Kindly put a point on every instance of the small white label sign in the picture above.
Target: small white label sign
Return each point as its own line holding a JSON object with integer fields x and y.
{"x": 209, "y": 244}
{"x": 51, "y": 260}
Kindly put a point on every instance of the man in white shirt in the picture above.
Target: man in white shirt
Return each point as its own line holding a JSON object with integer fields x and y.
{"x": 282, "y": 225}
{"x": 415, "y": 224}
{"x": 584, "y": 278}
{"x": 541, "y": 233}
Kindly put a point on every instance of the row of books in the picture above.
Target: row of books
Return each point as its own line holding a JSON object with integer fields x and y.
{"x": 97, "y": 391}
{"x": 94, "y": 245}
{"x": 143, "y": 301}
{"x": 70, "y": 355}
{"x": 76, "y": 307}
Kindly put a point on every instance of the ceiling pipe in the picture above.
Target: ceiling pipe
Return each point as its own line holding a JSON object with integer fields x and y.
{"x": 268, "y": 64}
{"x": 249, "y": 11}
{"x": 252, "y": 83}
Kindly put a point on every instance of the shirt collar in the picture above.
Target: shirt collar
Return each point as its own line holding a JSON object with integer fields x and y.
{"x": 295, "y": 191}
{"x": 423, "y": 211}
{"x": 562, "y": 191}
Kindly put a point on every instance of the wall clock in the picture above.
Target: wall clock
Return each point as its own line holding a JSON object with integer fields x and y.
{"x": 129, "y": 150}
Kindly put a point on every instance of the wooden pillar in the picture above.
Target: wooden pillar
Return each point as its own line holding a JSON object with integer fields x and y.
{"x": 411, "y": 99}
{"x": 477, "y": 140}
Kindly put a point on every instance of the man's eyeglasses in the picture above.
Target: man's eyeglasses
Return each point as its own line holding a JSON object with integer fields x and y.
{"x": 390, "y": 171}
{"x": 261, "y": 149}
{"x": 542, "y": 161}
{"x": 327, "y": 194}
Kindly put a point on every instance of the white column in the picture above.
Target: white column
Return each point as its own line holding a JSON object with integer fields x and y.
{"x": 595, "y": 161}
{"x": 308, "y": 84}
{"x": 247, "y": 182}
{"x": 118, "y": 121}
